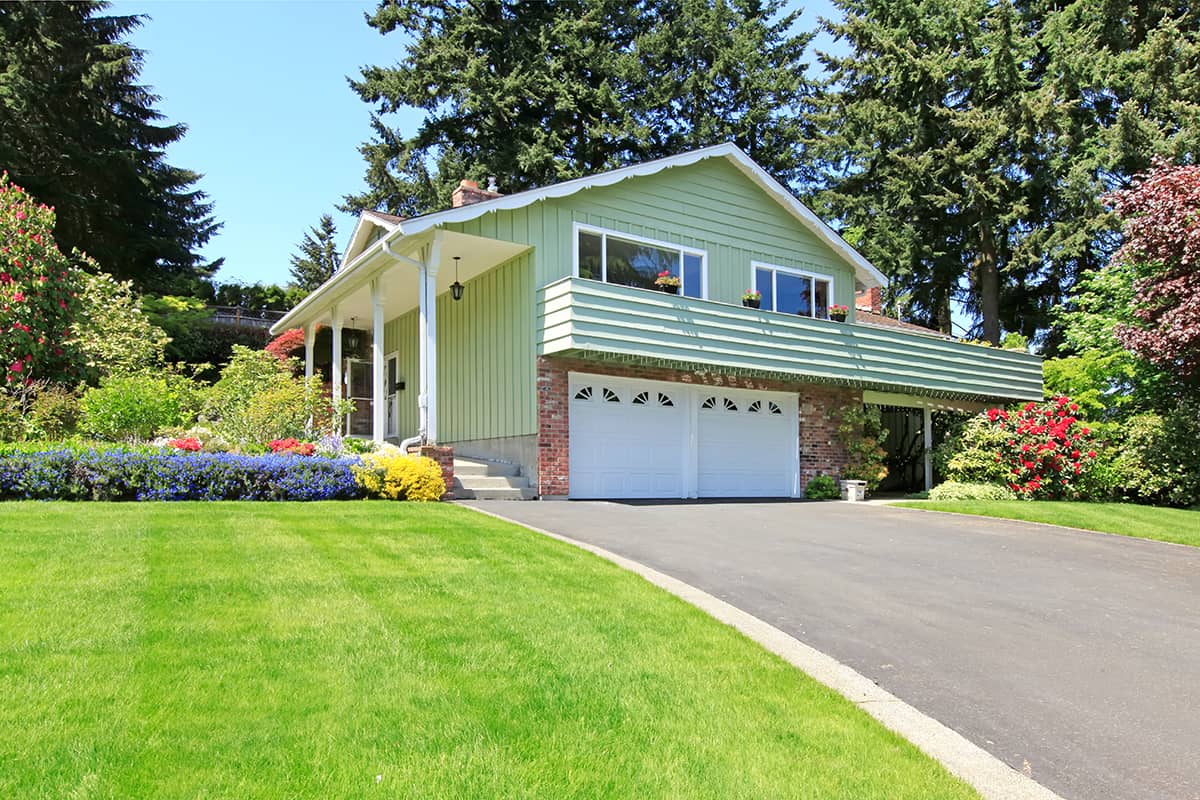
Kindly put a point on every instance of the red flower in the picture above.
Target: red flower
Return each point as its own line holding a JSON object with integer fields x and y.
{"x": 19, "y": 297}
{"x": 189, "y": 444}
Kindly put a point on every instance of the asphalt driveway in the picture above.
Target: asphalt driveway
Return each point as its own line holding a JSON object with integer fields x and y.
{"x": 1072, "y": 656}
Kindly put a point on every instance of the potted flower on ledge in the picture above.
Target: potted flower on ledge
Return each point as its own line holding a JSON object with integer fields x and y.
{"x": 838, "y": 313}
{"x": 667, "y": 282}
{"x": 751, "y": 298}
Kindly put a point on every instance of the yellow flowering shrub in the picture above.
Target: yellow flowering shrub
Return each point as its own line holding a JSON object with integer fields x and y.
{"x": 396, "y": 476}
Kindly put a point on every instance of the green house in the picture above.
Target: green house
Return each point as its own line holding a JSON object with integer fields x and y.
{"x": 532, "y": 329}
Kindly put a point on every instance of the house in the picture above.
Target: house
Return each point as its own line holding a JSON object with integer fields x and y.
{"x": 527, "y": 328}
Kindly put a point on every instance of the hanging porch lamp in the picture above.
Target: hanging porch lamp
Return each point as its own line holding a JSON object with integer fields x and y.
{"x": 456, "y": 288}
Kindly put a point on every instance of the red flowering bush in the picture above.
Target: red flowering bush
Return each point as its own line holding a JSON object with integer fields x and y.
{"x": 1040, "y": 451}
{"x": 188, "y": 443}
{"x": 285, "y": 345}
{"x": 293, "y": 446}
{"x": 38, "y": 294}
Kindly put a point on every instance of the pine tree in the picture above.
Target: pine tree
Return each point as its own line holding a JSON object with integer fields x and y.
{"x": 725, "y": 71}
{"x": 536, "y": 93}
{"x": 318, "y": 258}
{"x": 929, "y": 138}
{"x": 82, "y": 135}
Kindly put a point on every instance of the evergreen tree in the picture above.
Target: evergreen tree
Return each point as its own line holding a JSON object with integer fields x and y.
{"x": 318, "y": 258}
{"x": 81, "y": 134}
{"x": 929, "y": 137}
{"x": 536, "y": 93}
{"x": 718, "y": 71}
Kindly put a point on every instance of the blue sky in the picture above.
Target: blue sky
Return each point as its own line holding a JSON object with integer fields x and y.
{"x": 272, "y": 124}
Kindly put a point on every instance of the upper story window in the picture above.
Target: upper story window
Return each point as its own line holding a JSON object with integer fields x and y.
{"x": 633, "y": 261}
{"x": 793, "y": 291}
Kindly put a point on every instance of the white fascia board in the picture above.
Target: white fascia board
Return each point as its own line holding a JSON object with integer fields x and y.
{"x": 864, "y": 270}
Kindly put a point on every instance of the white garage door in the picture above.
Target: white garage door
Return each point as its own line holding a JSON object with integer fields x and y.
{"x": 651, "y": 439}
{"x": 627, "y": 439}
{"x": 747, "y": 445}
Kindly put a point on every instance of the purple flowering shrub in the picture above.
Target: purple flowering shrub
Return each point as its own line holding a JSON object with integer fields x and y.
{"x": 132, "y": 475}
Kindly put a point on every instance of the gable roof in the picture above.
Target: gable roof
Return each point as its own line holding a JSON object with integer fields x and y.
{"x": 396, "y": 227}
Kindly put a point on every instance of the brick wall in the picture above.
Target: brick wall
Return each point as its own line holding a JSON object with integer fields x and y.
{"x": 820, "y": 451}
{"x": 444, "y": 456}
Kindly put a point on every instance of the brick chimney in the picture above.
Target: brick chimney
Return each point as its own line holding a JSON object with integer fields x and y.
{"x": 468, "y": 193}
{"x": 869, "y": 300}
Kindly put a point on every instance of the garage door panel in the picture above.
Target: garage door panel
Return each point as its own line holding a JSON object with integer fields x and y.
{"x": 747, "y": 445}
{"x": 626, "y": 441}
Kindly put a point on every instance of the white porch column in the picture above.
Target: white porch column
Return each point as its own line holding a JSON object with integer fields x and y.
{"x": 928, "y": 458}
{"x": 310, "y": 336}
{"x": 378, "y": 395}
{"x": 427, "y": 339}
{"x": 336, "y": 367}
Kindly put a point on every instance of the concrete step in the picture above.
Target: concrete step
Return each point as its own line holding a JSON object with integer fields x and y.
{"x": 495, "y": 494}
{"x": 490, "y": 482}
{"x": 475, "y": 466}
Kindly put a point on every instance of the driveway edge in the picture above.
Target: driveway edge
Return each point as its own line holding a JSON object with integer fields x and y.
{"x": 988, "y": 775}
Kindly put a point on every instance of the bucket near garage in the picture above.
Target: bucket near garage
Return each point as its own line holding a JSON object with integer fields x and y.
{"x": 854, "y": 491}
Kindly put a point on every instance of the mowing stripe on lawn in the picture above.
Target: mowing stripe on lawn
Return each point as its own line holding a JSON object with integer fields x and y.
{"x": 988, "y": 775}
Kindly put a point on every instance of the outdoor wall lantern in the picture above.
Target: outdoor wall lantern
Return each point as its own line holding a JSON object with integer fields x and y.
{"x": 456, "y": 288}
{"x": 352, "y": 338}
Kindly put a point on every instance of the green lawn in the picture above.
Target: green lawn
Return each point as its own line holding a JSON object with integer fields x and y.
{"x": 387, "y": 650}
{"x": 1126, "y": 519}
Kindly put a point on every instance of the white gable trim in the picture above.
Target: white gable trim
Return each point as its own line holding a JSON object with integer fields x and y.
{"x": 865, "y": 271}
{"x": 362, "y": 231}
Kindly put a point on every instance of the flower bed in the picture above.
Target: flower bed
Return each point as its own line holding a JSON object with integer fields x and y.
{"x": 132, "y": 475}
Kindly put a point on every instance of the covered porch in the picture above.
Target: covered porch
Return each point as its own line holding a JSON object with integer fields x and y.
{"x": 392, "y": 277}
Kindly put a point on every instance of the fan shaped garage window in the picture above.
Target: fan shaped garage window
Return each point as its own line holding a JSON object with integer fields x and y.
{"x": 641, "y": 398}
{"x": 709, "y": 402}
{"x": 629, "y": 260}
{"x": 585, "y": 393}
{"x": 755, "y": 407}
{"x": 730, "y": 405}
{"x": 775, "y": 409}
{"x": 610, "y": 396}
{"x": 665, "y": 401}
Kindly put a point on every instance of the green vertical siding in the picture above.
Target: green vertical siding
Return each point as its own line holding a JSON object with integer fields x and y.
{"x": 487, "y": 353}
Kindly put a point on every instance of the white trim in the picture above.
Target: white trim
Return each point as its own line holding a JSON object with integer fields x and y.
{"x": 392, "y": 399}
{"x": 755, "y": 266}
{"x": 605, "y": 233}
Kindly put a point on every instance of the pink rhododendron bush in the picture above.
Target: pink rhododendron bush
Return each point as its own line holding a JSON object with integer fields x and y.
{"x": 1040, "y": 451}
{"x": 39, "y": 290}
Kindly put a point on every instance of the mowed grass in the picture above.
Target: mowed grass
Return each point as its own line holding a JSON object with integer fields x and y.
{"x": 1126, "y": 519}
{"x": 344, "y": 650}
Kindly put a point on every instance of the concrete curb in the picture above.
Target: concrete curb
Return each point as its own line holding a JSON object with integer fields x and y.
{"x": 991, "y": 777}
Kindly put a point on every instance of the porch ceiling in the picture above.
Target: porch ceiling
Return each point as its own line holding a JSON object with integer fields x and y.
{"x": 399, "y": 279}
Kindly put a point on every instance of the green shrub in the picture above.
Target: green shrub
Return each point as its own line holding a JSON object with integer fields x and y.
{"x": 53, "y": 413}
{"x": 12, "y": 422}
{"x": 257, "y": 399}
{"x": 130, "y": 408}
{"x": 822, "y": 487}
{"x": 861, "y": 431}
{"x": 968, "y": 455}
{"x": 952, "y": 490}
{"x": 1151, "y": 459}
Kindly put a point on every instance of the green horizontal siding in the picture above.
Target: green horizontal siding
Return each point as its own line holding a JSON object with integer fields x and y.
{"x": 588, "y": 317}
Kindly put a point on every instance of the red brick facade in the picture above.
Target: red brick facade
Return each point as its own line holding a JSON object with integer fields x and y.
{"x": 820, "y": 451}
{"x": 444, "y": 456}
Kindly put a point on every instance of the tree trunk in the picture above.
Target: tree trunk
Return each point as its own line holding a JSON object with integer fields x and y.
{"x": 987, "y": 283}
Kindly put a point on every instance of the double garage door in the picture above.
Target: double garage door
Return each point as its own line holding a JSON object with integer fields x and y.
{"x": 652, "y": 439}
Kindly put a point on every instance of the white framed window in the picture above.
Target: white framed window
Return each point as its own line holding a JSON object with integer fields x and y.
{"x": 629, "y": 260}
{"x": 792, "y": 291}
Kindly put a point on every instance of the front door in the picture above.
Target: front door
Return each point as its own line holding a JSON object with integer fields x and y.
{"x": 358, "y": 391}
